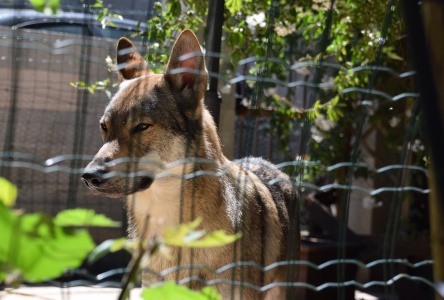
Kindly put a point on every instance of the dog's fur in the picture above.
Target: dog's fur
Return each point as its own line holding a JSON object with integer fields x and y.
{"x": 157, "y": 119}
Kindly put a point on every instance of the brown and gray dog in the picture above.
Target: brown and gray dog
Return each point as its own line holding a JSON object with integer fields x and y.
{"x": 155, "y": 120}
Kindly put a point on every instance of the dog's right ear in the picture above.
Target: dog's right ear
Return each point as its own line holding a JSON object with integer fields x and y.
{"x": 130, "y": 63}
{"x": 186, "y": 67}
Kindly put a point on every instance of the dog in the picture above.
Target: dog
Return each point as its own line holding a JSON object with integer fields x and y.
{"x": 161, "y": 143}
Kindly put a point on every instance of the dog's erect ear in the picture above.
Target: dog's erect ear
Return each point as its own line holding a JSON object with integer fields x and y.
{"x": 186, "y": 66}
{"x": 130, "y": 63}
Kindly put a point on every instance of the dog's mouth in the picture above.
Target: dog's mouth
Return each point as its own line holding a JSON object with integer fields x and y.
{"x": 116, "y": 187}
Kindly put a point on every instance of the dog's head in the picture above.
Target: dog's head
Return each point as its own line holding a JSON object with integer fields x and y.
{"x": 152, "y": 120}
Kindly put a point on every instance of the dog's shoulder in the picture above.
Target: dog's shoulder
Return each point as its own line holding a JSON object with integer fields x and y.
{"x": 277, "y": 181}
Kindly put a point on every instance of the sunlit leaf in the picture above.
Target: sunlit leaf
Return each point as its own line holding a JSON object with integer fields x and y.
{"x": 214, "y": 239}
{"x": 38, "y": 248}
{"x": 98, "y": 4}
{"x": 8, "y": 192}
{"x": 80, "y": 217}
{"x": 185, "y": 235}
{"x": 46, "y": 6}
{"x": 172, "y": 291}
{"x": 119, "y": 244}
{"x": 179, "y": 232}
{"x": 39, "y": 5}
{"x": 233, "y": 5}
{"x": 395, "y": 56}
{"x": 174, "y": 8}
{"x": 54, "y": 5}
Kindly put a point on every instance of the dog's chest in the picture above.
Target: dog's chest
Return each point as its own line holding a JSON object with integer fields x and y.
{"x": 155, "y": 209}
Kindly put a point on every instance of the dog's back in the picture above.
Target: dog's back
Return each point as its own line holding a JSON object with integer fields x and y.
{"x": 276, "y": 181}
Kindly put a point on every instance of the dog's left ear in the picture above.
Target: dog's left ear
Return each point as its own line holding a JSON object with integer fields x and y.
{"x": 186, "y": 66}
{"x": 130, "y": 63}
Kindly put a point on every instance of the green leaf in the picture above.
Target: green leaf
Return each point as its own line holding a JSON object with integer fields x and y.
{"x": 98, "y": 4}
{"x": 39, "y": 249}
{"x": 91, "y": 89}
{"x": 118, "y": 244}
{"x": 39, "y": 5}
{"x": 46, "y": 6}
{"x": 174, "y": 8}
{"x": 233, "y": 5}
{"x": 80, "y": 217}
{"x": 210, "y": 293}
{"x": 185, "y": 235}
{"x": 395, "y": 56}
{"x": 8, "y": 192}
{"x": 158, "y": 6}
{"x": 214, "y": 239}
{"x": 172, "y": 291}
{"x": 54, "y": 5}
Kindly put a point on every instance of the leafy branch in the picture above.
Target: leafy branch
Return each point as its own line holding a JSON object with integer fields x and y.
{"x": 102, "y": 86}
{"x": 36, "y": 247}
{"x": 105, "y": 16}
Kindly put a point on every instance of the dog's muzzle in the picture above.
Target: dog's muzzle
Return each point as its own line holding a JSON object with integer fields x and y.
{"x": 98, "y": 183}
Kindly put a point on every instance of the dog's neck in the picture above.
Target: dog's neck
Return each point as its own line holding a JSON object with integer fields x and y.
{"x": 153, "y": 210}
{"x": 211, "y": 144}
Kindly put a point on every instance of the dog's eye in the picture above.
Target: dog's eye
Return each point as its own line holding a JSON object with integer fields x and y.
{"x": 103, "y": 127}
{"x": 140, "y": 127}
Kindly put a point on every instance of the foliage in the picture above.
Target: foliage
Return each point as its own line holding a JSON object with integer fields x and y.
{"x": 79, "y": 217}
{"x": 46, "y": 6}
{"x": 304, "y": 31}
{"x": 309, "y": 33}
{"x": 37, "y": 249}
{"x": 172, "y": 291}
{"x": 105, "y": 17}
{"x": 34, "y": 247}
{"x": 185, "y": 235}
{"x": 8, "y": 192}
{"x": 284, "y": 113}
{"x": 359, "y": 38}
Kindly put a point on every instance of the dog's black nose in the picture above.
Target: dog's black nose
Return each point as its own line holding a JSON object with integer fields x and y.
{"x": 93, "y": 179}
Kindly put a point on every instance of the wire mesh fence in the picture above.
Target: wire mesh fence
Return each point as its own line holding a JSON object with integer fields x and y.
{"x": 348, "y": 138}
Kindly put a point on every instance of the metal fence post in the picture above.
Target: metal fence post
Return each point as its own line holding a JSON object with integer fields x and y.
{"x": 426, "y": 36}
{"x": 213, "y": 45}
{"x": 433, "y": 15}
